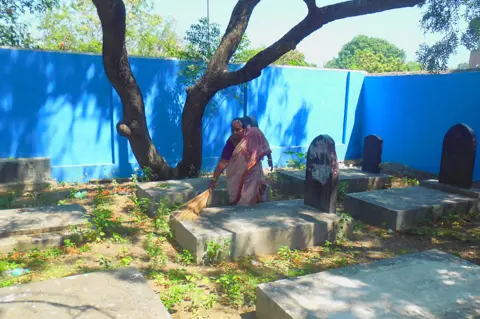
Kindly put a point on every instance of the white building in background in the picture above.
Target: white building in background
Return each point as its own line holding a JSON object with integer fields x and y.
{"x": 474, "y": 59}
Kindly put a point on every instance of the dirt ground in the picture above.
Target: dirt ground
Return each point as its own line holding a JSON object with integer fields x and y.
{"x": 125, "y": 236}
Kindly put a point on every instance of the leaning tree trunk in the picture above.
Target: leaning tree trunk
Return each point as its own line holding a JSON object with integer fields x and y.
{"x": 193, "y": 110}
{"x": 133, "y": 125}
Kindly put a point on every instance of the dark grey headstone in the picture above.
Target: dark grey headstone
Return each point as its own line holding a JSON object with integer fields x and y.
{"x": 321, "y": 182}
{"x": 372, "y": 154}
{"x": 458, "y": 156}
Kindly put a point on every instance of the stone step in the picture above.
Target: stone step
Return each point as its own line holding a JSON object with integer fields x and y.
{"x": 41, "y": 227}
{"x": 181, "y": 191}
{"x": 356, "y": 180}
{"x": 430, "y": 284}
{"x": 25, "y": 169}
{"x": 403, "y": 208}
{"x": 259, "y": 229}
{"x": 122, "y": 293}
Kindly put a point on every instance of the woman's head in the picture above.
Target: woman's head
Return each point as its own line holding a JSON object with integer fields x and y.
{"x": 250, "y": 120}
{"x": 238, "y": 129}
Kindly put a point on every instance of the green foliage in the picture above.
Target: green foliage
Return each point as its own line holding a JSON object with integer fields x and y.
{"x": 444, "y": 17}
{"x": 75, "y": 27}
{"x": 13, "y": 27}
{"x": 342, "y": 190}
{"x": 373, "y": 55}
{"x": 463, "y": 66}
{"x": 292, "y": 58}
{"x": 185, "y": 257}
{"x": 298, "y": 162}
{"x": 217, "y": 252}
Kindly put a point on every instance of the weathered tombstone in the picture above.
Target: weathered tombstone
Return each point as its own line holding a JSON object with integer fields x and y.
{"x": 372, "y": 154}
{"x": 458, "y": 156}
{"x": 321, "y": 182}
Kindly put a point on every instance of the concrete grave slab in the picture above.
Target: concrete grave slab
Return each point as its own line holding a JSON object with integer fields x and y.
{"x": 430, "y": 284}
{"x": 36, "y": 220}
{"x": 467, "y": 192}
{"x": 181, "y": 191}
{"x": 402, "y": 208}
{"x": 259, "y": 229}
{"x": 356, "y": 180}
{"x": 24, "y": 169}
{"x": 118, "y": 294}
{"x": 25, "y": 228}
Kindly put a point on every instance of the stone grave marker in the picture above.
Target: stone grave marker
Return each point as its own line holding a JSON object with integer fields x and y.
{"x": 372, "y": 154}
{"x": 321, "y": 182}
{"x": 458, "y": 157}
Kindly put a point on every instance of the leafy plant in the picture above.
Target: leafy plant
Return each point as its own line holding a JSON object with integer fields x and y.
{"x": 217, "y": 252}
{"x": 185, "y": 257}
{"x": 298, "y": 162}
{"x": 342, "y": 190}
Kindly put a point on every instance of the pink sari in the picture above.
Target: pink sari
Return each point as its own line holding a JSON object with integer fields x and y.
{"x": 245, "y": 179}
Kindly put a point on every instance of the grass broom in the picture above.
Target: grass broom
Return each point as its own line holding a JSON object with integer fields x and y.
{"x": 191, "y": 209}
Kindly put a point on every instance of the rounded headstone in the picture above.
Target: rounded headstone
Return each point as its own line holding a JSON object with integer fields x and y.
{"x": 321, "y": 182}
{"x": 458, "y": 156}
{"x": 372, "y": 154}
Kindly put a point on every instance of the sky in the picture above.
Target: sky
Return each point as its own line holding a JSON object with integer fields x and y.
{"x": 273, "y": 18}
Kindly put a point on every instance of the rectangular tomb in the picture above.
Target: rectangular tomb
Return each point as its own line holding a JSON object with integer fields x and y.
{"x": 430, "y": 284}
{"x": 467, "y": 192}
{"x": 181, "y": 191}
{"x": 25, "y": 228}
{"x": 356, "y": 181}
{"x": 402, "y": 208}
{"x": 121, "y": 293}
{"x": 24, "y": 169}
{"x": 259, "y": 229}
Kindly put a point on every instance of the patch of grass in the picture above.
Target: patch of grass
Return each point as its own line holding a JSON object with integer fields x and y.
{"x": 153, "y": 247}
{"x": 185, "y": 258}
{"x": 217, "y": 251}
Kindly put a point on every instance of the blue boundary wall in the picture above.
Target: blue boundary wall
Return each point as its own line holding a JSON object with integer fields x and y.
{"x": 412, "y": 113}
{"x": 294, "y": 105}
{"x": 61, "y": 105}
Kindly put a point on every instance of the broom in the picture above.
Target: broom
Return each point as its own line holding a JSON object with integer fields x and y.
{"x": 191, "y": 209}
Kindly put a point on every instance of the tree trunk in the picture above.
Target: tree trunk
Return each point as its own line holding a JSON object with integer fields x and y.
{"x": 192, "y": 116}
{"x": 133, "y": 125}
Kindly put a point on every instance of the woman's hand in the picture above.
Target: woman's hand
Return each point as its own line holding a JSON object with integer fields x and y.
{"x": 213, "y": 184}
{"x": 270, "y": 163}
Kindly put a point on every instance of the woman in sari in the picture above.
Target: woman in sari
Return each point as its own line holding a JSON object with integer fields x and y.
{"x": 241, "y": 156}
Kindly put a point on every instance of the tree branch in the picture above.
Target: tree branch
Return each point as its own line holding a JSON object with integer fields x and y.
{"x": 315, "y": 19}
{"x": 311, "y": 5}
{"x": 231, "y": 39}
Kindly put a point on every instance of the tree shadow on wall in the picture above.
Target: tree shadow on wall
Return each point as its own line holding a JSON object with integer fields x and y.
{"x": 55, "y": 105}
{"x": 163, "y": 86}
{"x": 281, "y": 118}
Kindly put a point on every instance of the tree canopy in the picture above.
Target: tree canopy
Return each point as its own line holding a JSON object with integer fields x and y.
{"x": 373, "y": 55}
{"x": 75, "y": 27}
{"x": 14, "y": 31}
{"x": 445, "y": 17}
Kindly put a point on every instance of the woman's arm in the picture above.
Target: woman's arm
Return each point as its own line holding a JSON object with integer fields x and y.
{"x": 222, "y": 164}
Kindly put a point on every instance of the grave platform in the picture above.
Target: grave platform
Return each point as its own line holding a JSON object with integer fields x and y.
{"x": 108, "y": 294}
{"x": 357, "y": 180}
{"x": 41, "y": 227}
{"x": 24, "y": 169}
{"x": 402, "y": 208}
{"x": 430, "y": 284}
{"x": 259, "y": 229}
{"x": 181, "y": 191}
{"x": 434, "y": 184}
